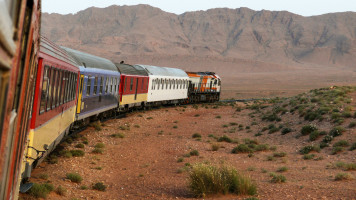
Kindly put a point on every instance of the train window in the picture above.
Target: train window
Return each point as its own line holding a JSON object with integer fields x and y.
{"x": 59, "y": 83}
{"x": 68, "y": 82}
{"x": 44, "y": 90}
{"x": 55, "y": 81}
{"x": 63, "y": 86}
{"x": 72, "y": 90}
{"x": 153, "y": 85}
{"x": 125, "y": 84}
{"x": 107, "y": 84}
{"x": 95, "y": 85}
{"x": 101, "y": 85}
{"x": 142, "y": 83}
{"x": 111, "y": 83}
{"x": 88, "y": 85}
{"x": 116, "y": 85}
{"x": 166, "y": 83}
{"x": 73, "y": 87}
{"x": 50, "y": 86}
{"x": 162, "y": 84}
{"x": 131, "y": 84}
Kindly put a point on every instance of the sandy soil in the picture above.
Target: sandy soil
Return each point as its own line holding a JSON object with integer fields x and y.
{"x": 143, "y": 164}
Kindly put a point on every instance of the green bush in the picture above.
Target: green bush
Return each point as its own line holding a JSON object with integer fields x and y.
{"x": 40, "y": 190}
{"x": 307, "y": 129}
{"x": 327, "y": 139}
{"x": 280, "y": 154}
{"x": 308, "y": 156}
{"x": 215, "y": 147}
{"x": 44, "y": 176}
{"x": 341, "y": 143}
{"x": 337, "y": 131}
{"x": 77, "y": 153}
{"x": 99, "y": 145}
{"x": 314, "y": 135}
{"x": 346, "y": 166}
{"x": 308, "y": 149}
{"x": 196, "y": 135}
{"x": 353, "y": 147}
{"x": 80, "y": 145}
{"x": 343, "y": 176}
{"x": 336, "y": 150}
{"x": 74, "y": 177}
{"x": 241, "y": 148}
{"x": 352, "y": 124}
{"x": 273, "y": 130}
{"x": 98, "y": 150}
{"x": 286, "y": 130}
{"x": 194, "y": 153}
{"x": 117, "y": 135}
{"x": 61, "y": 191}
{"x": 277, "y": 178}
{"x": 282, "y": 169}
{"x": 225, "y": 139}
{"x": 205, "y": 179}
{"x": 99, "y": 186}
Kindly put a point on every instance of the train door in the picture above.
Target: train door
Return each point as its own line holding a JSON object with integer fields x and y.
{"x": 136, "y": 89}
{"x": 80, "y": 93}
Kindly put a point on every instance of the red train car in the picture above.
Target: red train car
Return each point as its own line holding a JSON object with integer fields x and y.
{"x": 19, "y": 39}
{"x": 133, "y": 86}
{"x": 54, "y": 104}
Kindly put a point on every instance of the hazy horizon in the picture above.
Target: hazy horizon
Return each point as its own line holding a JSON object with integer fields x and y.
{"x": 301, "y": 7}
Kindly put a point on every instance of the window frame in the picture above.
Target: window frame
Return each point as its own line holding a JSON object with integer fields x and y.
{"x": 88, "y": 85}
{"x": 44, "y": 98}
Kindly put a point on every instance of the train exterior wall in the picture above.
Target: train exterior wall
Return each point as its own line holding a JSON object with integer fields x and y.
{"x": 93, "y": 100}
{"x": 166, "y": 84}
{"x": 19, "y": 40}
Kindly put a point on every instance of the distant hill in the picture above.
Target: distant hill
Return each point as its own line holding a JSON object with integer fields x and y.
{"x": 278, "y": 36}
{"x": 251, "y": 50}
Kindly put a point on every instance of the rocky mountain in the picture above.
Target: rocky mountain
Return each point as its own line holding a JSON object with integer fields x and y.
{"x": 122, "y": 32}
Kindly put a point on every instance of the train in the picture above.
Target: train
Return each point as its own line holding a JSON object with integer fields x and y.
{"x": 19, "y": 48}
{"x": 74, "y": 88}
{"x": 48, "y": 92}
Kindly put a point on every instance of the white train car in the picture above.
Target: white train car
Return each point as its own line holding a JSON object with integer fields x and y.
{"x": 166, "y": 85}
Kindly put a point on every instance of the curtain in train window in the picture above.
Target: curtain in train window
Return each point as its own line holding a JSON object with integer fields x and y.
{"x": 107, "y": 79}
{"x": 44, "y": 91}
{"x": 111, "y": 85}
{"x": 59, "y": 84}
{"x": 55, "y": 84}
{"x": 50, "y": 87}
{"x": 63, "y": 89}
{"x": 131, "y": 84}
{"x": 116, "y": 85}
{"x": 101, "y": 85}
{"x": 143, "y": 79}
{"x": 68, "y": 82}
{"x": 95, "y": 85}
{"x": 88, "y": 85}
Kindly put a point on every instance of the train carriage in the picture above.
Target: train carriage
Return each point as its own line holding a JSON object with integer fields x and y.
{"x": 19, "y": 40}
{"x": 133, "y": 86}
{"x": 204, "y": 87}
{"x": 99, "y": 84}
{"x": 166, "y": 85}
{"x": 54, "y": 103}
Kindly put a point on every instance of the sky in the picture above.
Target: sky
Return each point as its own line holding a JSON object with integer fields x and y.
{"x": 301, "y": 7}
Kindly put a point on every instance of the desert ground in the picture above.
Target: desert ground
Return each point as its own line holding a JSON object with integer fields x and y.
{"x": 149, "y": 160}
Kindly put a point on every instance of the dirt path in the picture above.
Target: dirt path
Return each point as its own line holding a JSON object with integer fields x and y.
{"x": 143, "y": 164}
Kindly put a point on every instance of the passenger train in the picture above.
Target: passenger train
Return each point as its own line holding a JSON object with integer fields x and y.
{"x": 48, "y": 91}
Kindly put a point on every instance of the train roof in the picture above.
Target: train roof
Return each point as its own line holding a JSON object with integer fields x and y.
{"x": 49, "y": 48}
{"x": 90, "y": 61}
{"x": 164, "y": 71}
{"x": 131, "y": 69}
